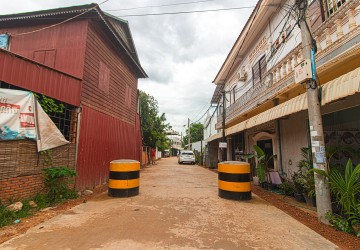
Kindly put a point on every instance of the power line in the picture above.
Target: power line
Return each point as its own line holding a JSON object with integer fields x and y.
{"x": 67, "y": 20}
{"x": 162, "y": 5}
{"x": 199, "y": 112}
{"x": 186, "y": 12}
{"x": 247, "y": 32}
{"x": 203, "y": 115}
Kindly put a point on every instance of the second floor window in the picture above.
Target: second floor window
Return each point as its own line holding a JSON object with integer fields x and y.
{"x": 334, "y": 5}
{"x": 258, "y": 70}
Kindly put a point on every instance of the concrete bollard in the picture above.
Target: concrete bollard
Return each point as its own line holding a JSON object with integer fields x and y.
{"x": 124, "y": 178}
{"x": 234, "y": 180}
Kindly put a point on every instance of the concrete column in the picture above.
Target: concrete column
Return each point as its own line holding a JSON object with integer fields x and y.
{"x": 280, "y": 73}
{"x": 352, "y": 22}
{"x": 284, "y": 69}
{"x": 229, "y": 148}
{"x": 339, "y": 29}
{"x": 275, "y": 78}
{"x": 328, "y": 37}
{"x": 295, "y": 60}
{"x": 289, "y": 65}
{"x": 300, "y": 56}
{"x": 318, "y": 43}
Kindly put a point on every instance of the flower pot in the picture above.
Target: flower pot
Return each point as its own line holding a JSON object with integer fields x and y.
{"x": 271, "y": 186}
{"x": 256, "y": 180}
{"x": 299, "y": 197}
{"x": 311, "y": 201}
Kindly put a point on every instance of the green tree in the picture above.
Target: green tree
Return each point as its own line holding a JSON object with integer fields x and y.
{"x": 196, "y": 133}
{"x": 153, "y": 125}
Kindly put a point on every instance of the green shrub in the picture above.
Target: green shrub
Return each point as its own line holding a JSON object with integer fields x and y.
{"x": 42, "y": 201}
{"x": 340, "y": 223}
{"x": 345, "y": 187}
{"x": 58, "y": 182}
{"x": 288, "y": 187}
{"x": 6, "y": 216}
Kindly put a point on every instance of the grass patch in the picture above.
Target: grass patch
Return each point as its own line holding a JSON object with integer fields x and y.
{"x": 8, "y": 217}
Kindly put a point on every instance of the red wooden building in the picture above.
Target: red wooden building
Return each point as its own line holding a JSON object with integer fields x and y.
{"x": 85, "y": 43}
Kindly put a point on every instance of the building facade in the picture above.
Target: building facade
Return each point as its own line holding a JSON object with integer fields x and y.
{"x": 84, "y": 43}
{"x": 264, "y": 105}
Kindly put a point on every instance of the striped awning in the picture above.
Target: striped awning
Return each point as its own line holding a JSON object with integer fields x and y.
{"x": 345, "y": 85}
{"x": 296, "y": 104}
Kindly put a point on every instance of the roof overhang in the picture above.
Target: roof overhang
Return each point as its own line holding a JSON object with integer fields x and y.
{"x": 30, "y": 75}
{"x": 217, "y": 94}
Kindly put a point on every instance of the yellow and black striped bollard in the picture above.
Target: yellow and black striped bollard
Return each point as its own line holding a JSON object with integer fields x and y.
{"x": 124, "y": 178}
{"x": 234, "y": 180}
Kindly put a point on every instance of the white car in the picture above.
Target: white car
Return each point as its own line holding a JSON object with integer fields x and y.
{"x": 186, "y": 156}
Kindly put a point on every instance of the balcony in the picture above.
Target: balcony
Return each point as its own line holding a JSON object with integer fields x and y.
{"x": 337, "y": 38}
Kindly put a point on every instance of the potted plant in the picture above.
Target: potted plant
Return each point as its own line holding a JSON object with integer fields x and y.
{"x": 346, "y": 189}
{"x": 304, "y": 180}
{"x": 299, "y": 189}
{"x": 262, "y": 166}
{"x": 288, "y": 187}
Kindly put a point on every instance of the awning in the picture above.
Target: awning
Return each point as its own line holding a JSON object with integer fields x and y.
{"x": 213, "y": 137}
{"x": 345, "y": 85}
{"x": 340, "y": 87}
{"x": 292, "y": 106}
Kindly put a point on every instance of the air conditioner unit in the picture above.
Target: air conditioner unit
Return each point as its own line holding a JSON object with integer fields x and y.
{"x": 242, "y": 75}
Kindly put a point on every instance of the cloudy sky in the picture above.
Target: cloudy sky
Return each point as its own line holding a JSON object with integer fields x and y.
{"x": 181, "y": 53}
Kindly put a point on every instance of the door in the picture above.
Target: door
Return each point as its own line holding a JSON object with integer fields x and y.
{"x": 266, "y": 146}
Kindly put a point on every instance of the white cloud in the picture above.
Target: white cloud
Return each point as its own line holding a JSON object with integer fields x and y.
{"x": 181, "y": 53}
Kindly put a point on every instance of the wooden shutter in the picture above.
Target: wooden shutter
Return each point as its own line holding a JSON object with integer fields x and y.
{"x": 256, "y": 73}
{"x": 262, "y": 65}
{"x": 104, "y": 78}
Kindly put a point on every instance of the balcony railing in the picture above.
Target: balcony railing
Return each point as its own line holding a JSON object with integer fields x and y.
{"x": 335, "y": 36}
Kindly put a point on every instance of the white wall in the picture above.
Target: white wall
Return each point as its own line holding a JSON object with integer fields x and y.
{"x": 210, "y": 130}
{"x": 293, "y": 138}
{"x": 197, "y": 145}
{"x": 272, "y": 30}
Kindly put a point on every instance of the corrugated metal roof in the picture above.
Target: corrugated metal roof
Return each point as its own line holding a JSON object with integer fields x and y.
{"x": 46, "y": 13}
{"x": 25, "y": 73}
{"x": 90, "y": 11}
{"x": 217, "y": 94}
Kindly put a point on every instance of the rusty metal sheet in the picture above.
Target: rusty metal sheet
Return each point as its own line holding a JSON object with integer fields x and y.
{"x": 27, "y": 74}
{"x": 103, "y": 139}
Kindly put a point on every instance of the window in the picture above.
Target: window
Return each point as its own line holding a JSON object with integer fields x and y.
{"x": 66, "y": 121}
{"x": 334, "y": 5}
{"x": 258, "y": 70}
{"x": 46, "y": 57}
{"x": 104, "y": 78}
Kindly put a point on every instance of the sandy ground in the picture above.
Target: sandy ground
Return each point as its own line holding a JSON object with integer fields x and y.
{"x": 178, "y": 208}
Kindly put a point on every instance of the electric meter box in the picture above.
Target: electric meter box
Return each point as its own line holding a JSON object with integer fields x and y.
{"x": 303, "y": 71}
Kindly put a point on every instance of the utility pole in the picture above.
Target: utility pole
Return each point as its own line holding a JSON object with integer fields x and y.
{"x": 223, "y": 127}
{"x": 323, "y": 200}
{"x": 189, "y": 133}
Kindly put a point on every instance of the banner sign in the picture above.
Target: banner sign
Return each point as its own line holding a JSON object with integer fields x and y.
{"x": 22, "y": 117}
{"x": 17, "y": 118}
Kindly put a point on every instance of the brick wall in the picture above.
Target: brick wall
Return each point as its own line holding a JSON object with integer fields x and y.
{"x": 22, "y": 187}
{"x": 21, "y": 168}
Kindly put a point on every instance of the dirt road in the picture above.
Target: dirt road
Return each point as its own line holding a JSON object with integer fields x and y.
{"x": 178, "y": 208}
